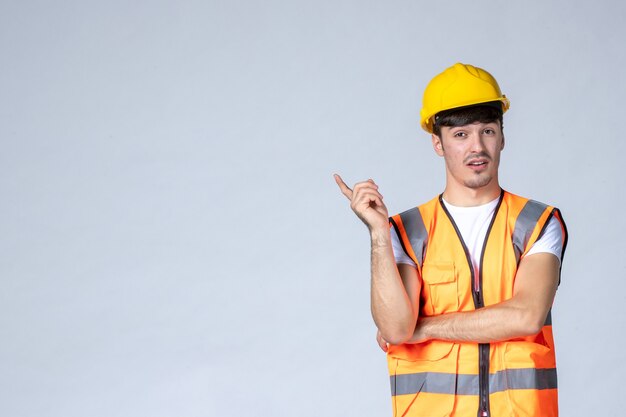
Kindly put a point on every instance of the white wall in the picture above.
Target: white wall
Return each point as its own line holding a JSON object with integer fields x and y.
{"x": 172, "y": 240}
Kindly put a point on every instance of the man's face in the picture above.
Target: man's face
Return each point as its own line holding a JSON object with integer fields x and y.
{"x": 471, "y": 152}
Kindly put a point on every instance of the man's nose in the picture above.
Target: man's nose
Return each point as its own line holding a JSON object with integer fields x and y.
{"x": 477, "y": 143}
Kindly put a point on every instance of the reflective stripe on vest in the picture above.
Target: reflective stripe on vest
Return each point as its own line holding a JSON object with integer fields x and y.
{"x": 412, "y": 233}
{"x": 525, "y": 224}
{"x": 441, "y": 383}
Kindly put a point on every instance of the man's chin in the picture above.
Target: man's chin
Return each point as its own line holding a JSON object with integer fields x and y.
{"x": 476, "y": 183}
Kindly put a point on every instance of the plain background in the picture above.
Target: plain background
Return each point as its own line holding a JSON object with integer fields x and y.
{"x": 173, "y": 243}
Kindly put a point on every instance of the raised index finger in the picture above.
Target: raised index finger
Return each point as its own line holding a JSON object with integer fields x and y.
{"x": 345, "y": 190}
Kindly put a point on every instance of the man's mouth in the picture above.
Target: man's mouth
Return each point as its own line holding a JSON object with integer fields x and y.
{"x": 477, "y": 164}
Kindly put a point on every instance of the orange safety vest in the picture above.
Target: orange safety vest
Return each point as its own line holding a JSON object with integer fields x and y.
{"x": 438, "y": 378}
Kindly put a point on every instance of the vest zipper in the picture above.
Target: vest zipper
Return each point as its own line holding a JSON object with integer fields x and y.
{"x": 479, "y": 302}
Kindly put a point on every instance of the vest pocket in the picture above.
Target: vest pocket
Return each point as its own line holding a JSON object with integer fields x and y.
{"x": 423, "y": 383}
{"x": 529, "y": 378}
{"x": 441, "y": 286}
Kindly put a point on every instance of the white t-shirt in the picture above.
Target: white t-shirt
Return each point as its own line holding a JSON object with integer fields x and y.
{"x": 473, "y": 223}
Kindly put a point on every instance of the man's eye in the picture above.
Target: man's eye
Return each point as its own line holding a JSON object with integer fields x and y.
{"x": 459, "y": 134}
{"x": 490, "y": 131}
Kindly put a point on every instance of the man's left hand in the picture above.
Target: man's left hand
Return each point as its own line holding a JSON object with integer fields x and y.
{"x": 382, "y": 342}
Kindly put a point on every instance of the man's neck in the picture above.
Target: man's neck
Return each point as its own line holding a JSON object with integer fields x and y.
{"x": 470, "y": 197}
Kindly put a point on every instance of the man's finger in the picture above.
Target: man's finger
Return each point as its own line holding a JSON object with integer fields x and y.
{"x": 381, "y": 342}
{"x": 345, "y": 190}
{"x": 366, "y": 184}
{"x": 369, "y": 194}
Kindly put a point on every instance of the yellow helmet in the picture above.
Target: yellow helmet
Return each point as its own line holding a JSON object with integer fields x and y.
{"x": 459, "y": 86}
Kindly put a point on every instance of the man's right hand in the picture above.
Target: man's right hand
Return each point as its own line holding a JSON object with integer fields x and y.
{"x": 366, "y": 202}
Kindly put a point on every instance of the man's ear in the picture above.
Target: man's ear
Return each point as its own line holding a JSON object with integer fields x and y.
{"x": 502, "y": 146}
{"x": 437, "y": 144}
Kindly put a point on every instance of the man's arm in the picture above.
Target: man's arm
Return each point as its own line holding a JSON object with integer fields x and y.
{"x": 394, "y": 292}
{"x": 524, "y": 314}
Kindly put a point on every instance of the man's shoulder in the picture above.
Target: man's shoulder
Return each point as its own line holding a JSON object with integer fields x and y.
{"x": 524, "y": 202}
{"x": 429, "y": 205}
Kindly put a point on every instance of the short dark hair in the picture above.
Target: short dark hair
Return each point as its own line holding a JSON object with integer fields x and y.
{"x": 483, "y": 113}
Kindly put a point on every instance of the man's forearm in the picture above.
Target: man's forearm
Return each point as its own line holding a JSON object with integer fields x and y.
{"x": 522, "y": 315}
{"x": 393, "y": 310}
{"x": 498, "y": 322}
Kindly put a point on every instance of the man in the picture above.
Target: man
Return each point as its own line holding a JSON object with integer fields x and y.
{"x": 462, "y": 286}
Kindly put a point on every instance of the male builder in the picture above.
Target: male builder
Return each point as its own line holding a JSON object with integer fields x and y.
{"x": 462, "y": 286}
